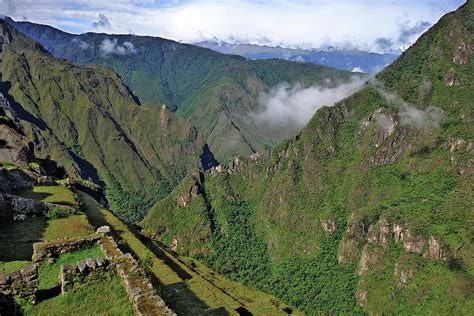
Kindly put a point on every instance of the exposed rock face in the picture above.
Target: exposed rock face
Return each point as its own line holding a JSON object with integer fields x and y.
{"x": 434, "y": 250}
{"x": 20, "y": 207}
{"x": 367, "y": 257}
{"x": 373, "y": 240}
{"x": 448, "y": 78}
{"x": 15, "y": 179}
{"x": 404, "y": 274}
{"x": 329, "y": 226}
{"x": 185, "y": 199}
{"x": 385, "y": 127}
{"x": 462, "y": 54}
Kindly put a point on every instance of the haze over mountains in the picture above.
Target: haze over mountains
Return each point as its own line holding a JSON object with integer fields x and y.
{"x": 349, "y": 60}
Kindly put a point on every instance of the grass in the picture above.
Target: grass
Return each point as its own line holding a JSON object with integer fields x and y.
{"x": 51, "y": 194}
{"x": 105, "y": 297}
{"x": 187, "y": 285}
{"x": 9, "y": 166}
{"x": 12, "y": 266}
{"x": 72, "y": 226}
{"x": 49, "y": 273}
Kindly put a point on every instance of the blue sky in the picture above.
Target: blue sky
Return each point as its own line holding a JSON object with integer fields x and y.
{"x": 376, "y": 25}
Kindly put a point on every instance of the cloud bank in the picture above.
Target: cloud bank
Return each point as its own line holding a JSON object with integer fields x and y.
{"x": 409, "y": 114}
{"x": 287, "y": 105}
{"x": 357, "y": 24}
{"x": 82, "y": 44}
{"x": 111, "y": 47}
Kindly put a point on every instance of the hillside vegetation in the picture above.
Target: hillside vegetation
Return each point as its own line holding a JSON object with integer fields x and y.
{"x": 217, "y": 93}
{"x": 369, "y": 209}
{"x": 85, "y": 118}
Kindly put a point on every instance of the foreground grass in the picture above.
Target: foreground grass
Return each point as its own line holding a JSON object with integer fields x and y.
{"x": 187, "y": 285}
{"x": 11, "y": 266}
{"x": 72, "y": 226}
{"x": 57, "y": 194}
{"x": 106, "y": 297}
{"x": 49, "y": 273}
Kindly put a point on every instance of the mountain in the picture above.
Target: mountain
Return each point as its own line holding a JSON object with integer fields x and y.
{"x": 217, "y": 93}
{"x": 86, "y": 119}
{"x": 348, "y": 60}
{"x": 47, "y": 224}
{"x": 368, "y": 210}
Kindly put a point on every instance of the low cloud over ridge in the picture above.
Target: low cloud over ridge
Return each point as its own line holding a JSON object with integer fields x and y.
{"x": 287, "y": 105}
{"x": 409, "y": 114}
{"x": 111, "y": 47}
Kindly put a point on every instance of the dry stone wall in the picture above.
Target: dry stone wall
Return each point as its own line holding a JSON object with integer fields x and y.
{"x": 22, "y": 283}
{"x": 140, "y": 291}
{"x": 83, "y": 272}
{"x": 53, "y": 248}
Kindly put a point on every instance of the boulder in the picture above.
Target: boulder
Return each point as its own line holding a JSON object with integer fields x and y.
{"x": 103, "y": 229}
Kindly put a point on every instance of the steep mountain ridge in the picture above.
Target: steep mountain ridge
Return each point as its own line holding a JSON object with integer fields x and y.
{"x": 217, "y": 93}
{"x": 85, "y": 118}
{"x": 369, "y": 209}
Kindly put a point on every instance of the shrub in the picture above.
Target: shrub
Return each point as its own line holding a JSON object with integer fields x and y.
{"x": 59, "y": 212}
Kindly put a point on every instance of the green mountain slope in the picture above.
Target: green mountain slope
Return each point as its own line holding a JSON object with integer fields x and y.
{"x": 88, "y": 120}
{"x": 370, "y": 209}
{"x": 215, "y": 92}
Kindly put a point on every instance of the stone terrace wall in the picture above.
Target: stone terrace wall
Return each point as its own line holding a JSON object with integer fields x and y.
{"x": 83, "y": 272}
{"x": 53, "y": 248}
{"x": 140, "y": 291}
{"x": 22, "y": 283}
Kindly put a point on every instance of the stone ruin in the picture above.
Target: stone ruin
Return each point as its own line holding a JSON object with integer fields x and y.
{"x": 83, "y": 272}
{"x": 22, "y": 283}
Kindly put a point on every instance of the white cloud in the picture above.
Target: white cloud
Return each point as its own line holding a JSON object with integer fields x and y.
{"x": 102, "y": 22}
{"x": 357, "y": 69}
{"x": 82, "y": 44}
{"x": 108, "y": 47}
{"x": 287, "y": 105}
{"x": 409, "y": 114}
{"x": 299, "y": 23}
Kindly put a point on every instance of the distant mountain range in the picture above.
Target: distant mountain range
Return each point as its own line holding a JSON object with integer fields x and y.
{"x": 349, "y": 60}
{"x": 217, "y": 93}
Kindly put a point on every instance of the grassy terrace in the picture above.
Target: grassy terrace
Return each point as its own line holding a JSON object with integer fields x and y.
{"x": 49, "y": 273}
{"x": 57, "y": 194}
{"x": 186, "y": 285}
{"x": 105, "y": 297}
{"x": 71, "y": 226}
{"x": 12, "y": 266}
{"x": 89, "y": 299}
